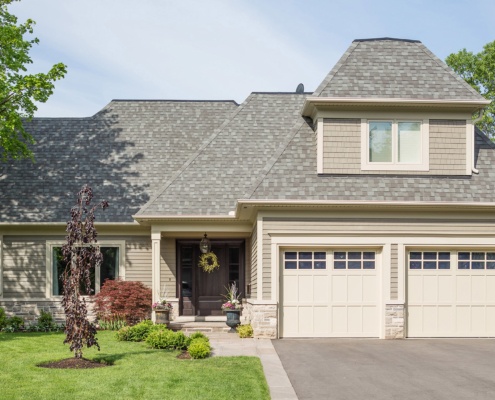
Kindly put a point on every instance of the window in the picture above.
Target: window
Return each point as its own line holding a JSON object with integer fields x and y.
{"x": 305, "y": 260}
{"x": 110, "y": 267}
{"x": 354, "y": 260}
{"x": 395, "y": 145}
{"x": 429, "y": 260}
{"x": 475, "y": 260}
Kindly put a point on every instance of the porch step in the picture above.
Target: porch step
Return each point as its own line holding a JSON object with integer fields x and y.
{"x": 200, "y": 324}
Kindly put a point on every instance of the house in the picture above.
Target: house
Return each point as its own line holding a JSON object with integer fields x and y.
{"x": 362, "y": 209}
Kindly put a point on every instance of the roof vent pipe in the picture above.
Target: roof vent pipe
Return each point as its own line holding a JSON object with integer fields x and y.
{"x": 475, "y": 121}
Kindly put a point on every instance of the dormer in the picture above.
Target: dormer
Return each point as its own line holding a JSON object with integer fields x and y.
{"x": 389, "y": 106}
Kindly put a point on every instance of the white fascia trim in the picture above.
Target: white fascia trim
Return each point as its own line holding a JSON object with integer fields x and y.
{"x": 315, "y": 101}
{"x": 259, "y": 257}
{"x": 470, "y": 147}
{"x": 319, "y": 146}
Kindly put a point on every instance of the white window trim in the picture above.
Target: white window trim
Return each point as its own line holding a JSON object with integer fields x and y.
{"x": 50, "y": 244}
{"x": 424, "y": 165}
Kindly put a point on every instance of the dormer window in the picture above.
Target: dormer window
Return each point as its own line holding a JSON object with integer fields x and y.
{"x": 394, "y": 145}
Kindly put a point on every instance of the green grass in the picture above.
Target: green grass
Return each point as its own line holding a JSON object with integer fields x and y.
{"x": 137, "y": 372}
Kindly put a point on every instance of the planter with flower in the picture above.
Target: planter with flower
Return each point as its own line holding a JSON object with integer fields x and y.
{"x": 162, "y": 311}
{"x": 232, "y": 307}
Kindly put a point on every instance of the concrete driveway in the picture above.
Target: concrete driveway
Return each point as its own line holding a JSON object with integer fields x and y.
{"x": 418, "y": 369}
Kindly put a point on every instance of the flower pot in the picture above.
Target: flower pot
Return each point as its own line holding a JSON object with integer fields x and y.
{"x": 233, "y": 319}
{"x": 162, "y": 316}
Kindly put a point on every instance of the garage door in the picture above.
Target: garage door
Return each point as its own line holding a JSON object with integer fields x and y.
{"x": 451, "y": 294}
{"x": 329, "y": 294}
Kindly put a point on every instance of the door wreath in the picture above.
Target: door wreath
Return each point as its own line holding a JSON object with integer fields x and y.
{"x": 208, "y": 262}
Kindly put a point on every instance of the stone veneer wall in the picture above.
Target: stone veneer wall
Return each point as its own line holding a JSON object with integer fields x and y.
{"x": 262, "y": 315}
{"x": 30, "y": 310}
{"x": 394, "y": 321}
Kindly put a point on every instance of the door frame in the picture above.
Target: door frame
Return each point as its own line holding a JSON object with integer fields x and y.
{"x": 240, "y": 243}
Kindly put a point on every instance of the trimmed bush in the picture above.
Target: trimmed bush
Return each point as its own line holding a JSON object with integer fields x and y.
{"x": 245, "y": 331}
{"x": 126, "y": 299}
{"x": 136, "y": 333}
{"x": 167, "y": 339}
{"x": 199, "y": 335}
{"x": 199, "y": 348}
{"x": 14, "y": 324}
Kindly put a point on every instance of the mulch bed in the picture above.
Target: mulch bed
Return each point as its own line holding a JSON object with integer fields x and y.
{"x": 184, "y": 356}
{"x": 73, "y": 363}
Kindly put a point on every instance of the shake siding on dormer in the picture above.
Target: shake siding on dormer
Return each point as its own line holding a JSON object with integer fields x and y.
{"x": 342, "y": 148}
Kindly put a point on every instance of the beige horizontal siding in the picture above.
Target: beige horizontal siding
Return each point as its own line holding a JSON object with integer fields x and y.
{"x": 342, "y": 148}
{"x": 168, "y": 274}
{"x": 394, "y": 272}
{"x": 247, "y": 267}
{"x": 138, "y": 258}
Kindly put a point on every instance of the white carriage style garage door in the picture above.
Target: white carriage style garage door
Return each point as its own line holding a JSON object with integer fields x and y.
{"x": 329, "y": 293}
{"x": 451, "y": 294}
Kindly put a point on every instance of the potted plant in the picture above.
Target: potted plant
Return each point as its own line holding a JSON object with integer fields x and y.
{"x": 162, "y": 311}
{"x": 232, "y": 307}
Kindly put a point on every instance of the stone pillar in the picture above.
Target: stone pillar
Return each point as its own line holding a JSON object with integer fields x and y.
{"x": 395, "y": 321}
{"x": 155, "y": 267}
{"x": 262, "y": 315}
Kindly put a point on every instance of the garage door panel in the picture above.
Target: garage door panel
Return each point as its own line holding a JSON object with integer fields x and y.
{"x": 415, "y": 291}
{"x": 290, "y": 320}
{"x": 305, "y": 317}
{"x": 463, "y": 285}
{"x": 370, "y": 292}
{"x": 321, "y": 320}
{"x": 355, "y": 319}
{"x": 445, "y": 289}
{"x": 463, "y": 320}
{"x": 490, "y": 289}
{"x": 339, "y": 289}
{"x": 305, "y": 288}
{"x": 320, "y": 284}
{"x": 490, "y": 320}
{"x": 290, "y": 289}
{"x": 478, "y": 319}
{"x": 415, "y": 320}
{"x": 446, "y": 319}
{"x": 430, "y": 289}
{"x": 478, "y": 289}
{"x": 339, "y": 320}
{"x": 430, "y": 319}
{"x": 354, "y": 289}
{"x": 370, "y": 316}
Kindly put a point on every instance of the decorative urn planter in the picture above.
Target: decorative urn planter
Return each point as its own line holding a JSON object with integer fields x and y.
{"x": 233, "y": 319}
{"x": 162, "y": 316}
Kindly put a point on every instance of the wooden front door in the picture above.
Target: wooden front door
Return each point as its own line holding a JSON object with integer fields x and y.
{"x": 200, "y": 293}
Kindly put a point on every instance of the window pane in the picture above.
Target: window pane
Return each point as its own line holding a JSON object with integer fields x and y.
{"x": 478, "y": 265}
{"x": 409, "y": 150}
{"x": 58, "y": 270}
{"x": 429, "y": 255}
{"x": 354, "y": 255}
{"x": 444, "y": 255}
{"x": 369, "y": 265}
{"x": 490, "y": 256}
{"x": 380, "y": 135}
{"x": 490, "y": 265}
{"x": 290, "y": 255}
{"x": 339, "y": 265}
{"x": 463, "y": 265}
{"x": 415, "y": 255}
{"x": 290, "y": 265}
{"x": 305, "y": 255}
{"x": 415, "y": 265}
{"x": 444, "y": 265}
{"x": 430, "y": 265}
{"x": 320, "y": 265}
{"x": 478, "y": 256}
{"x": 369, "y": 255}
{"x": 463, "y": 256}
{"x": 109, "y": 268}
{"x": 354, "y": 265}
{"x": 320, "y": 255}
{"x": 339, "y": 255}
{"x": 305, "y": 264}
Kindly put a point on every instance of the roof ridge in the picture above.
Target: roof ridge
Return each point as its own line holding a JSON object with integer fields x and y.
{"x": 195, "y": 155}
{"x": 276, "y": 155}
{"x": 447, "y": 69}
{"x": 173, "y": 101}
{"x": 382, "y": 39}
{"x": 335, "y": 69}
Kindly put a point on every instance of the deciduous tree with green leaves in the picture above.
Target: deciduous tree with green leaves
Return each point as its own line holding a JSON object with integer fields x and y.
{"x": 479, "y": 71}
{"x": 19, "y": 90}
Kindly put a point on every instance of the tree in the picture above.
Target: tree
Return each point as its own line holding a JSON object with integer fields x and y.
{"x": 82, "y": 255}
{"x": 479, "y": 71}
{"x": 18, "y": 90}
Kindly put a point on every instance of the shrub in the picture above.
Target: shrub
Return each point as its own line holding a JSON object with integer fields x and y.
{"x": 245, "y": 331}
{"x": 128, "y": 299}
{"x": 166, "y": 339}
{"x": 112, "y": 323}
{"x": 138, "y": 332}
{"x": 199, "y": 348}
{"x": 3, "y": 318}
{"x": 199, "y": 335}
{"x": 45, "y": 322}
{"x": 123, "y": 334}
{"x": 14, "y": 324}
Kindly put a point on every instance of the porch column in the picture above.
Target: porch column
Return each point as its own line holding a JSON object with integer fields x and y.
{"x": 155, "y": 267}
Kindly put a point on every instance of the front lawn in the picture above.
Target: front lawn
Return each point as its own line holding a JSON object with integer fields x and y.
{"x": 137, "y": 372}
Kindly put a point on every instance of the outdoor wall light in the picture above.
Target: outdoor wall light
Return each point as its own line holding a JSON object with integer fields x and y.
{"x": 205, "y": 245}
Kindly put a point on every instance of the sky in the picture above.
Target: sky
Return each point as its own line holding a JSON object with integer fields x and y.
{"x": 224, "y": 49}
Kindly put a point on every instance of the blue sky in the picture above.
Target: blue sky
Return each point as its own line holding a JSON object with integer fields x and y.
{"x": 225, "y": 49}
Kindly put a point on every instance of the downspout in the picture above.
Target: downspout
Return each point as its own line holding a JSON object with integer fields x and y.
{"x": 475, "y": 121}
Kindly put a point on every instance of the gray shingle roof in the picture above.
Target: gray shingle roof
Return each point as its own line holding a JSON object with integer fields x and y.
{"x": 393, "y": 68}
{"x": 124, "y": 152}
{"x": 219, "y": 174}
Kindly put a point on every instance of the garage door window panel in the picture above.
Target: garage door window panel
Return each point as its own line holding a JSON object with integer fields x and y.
{"x": 429, "y": 260}
{"x": 354, "y": 260}
{"x": 476, "y": 260}
{"x": 305, "y": 260}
